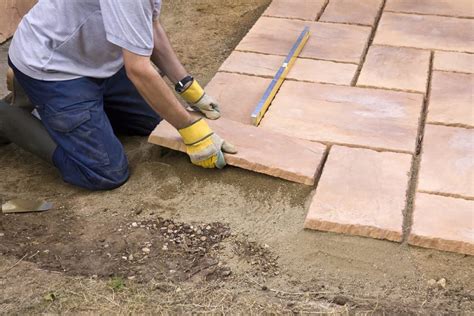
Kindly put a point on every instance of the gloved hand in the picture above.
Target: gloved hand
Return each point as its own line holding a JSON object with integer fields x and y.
{"x": 195, "y": 96}
{"x": 205, "y": 148}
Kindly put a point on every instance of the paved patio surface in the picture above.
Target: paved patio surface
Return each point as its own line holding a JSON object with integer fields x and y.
{"x": 380, "y": 107}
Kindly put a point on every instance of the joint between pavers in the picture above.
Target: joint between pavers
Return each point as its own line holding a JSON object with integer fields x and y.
{"x": 346, "y": 23}
{"x": 321, "y": 12}
{"x": 369, "y": 43}
{"x": 425, "y": 48}
{"x": 389, "y": 89}
{"x": 453, "y": 71}
{"x": 456, "y": 125}
{"x": 286, "y": 18}
{"x": 416, "y": 161}
{"x": 376, "y": 149}
{"x": 450, "y": 195}
{"x": 299, "y": 57}
{"x": 432, "y": 14}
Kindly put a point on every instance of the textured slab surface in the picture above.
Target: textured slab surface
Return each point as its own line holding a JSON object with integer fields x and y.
{"x": 11, "y": 12}
{"x": 337, "y": 42}
{"x": 346, "y": 115}
{"x": 447, "y": 164}
{"x": 431, "y": 32}
{"x": 449, "y": 61}
{"x": 451, "y": 99}
{"x": 396, "y": 68}
{"x": 461, "y": 8}
{"x": 361, "y": 192}
{"x": 352, "y": 12}
{"x": 443, "y": 223}
{"x": 304, "y": 69}
{"x": 259, "y": 150}
{"x": 295, "y": 9}
{"x": 238, "y": 95}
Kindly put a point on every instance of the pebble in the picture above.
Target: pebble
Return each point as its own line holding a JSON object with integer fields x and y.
{"x": 124, "y": 258}
{"x": 165, "y": 247}
{"x": 203, "y": 238}
{"x": 2, "y": 234}
{"x": 442, "y": 283}
{"x": 134, "y": 224}
{"x": 146, "y": 250}
{"x": 131, "y": 277}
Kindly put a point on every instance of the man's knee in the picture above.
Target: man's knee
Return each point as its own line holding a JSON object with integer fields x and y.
{"x": 105, "y": 178}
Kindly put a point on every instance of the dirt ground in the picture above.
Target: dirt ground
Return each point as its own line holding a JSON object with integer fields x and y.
{"x": 179, "y": 239}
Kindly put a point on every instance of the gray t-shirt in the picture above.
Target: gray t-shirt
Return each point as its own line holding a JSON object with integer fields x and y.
{"x": 68, "y": 39}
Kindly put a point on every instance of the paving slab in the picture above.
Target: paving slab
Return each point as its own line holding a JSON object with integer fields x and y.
{"x": 259, "y": 150}
{"x": 450, "y": 61}
{"x": 328, "y": 41}
{"x": 423, "y": 31}
{"x": 295, "y": 9}
{"x": 352, "y": 12}
{"x": 11, "y": 12}
{"x": 451, "y": 99}
{"x": 361, "y": 192}
{"x": 443, "y": 223}
{"x": 396, "y": 68}
{"x": 303, "y": 69}
{"x": 237, "y": 95}
{"x": 447, "y": 164}
{"x": 365, "y": 117}
{"x": 459, "y": 8}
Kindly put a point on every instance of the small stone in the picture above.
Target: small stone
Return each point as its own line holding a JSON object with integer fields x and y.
{"x": 2, "y": 234}
{"x": 130, "y": 257}
{"x": 203, "y": 238}
{"x": 165, "y": 247}
{"x": 146, "y": 250}
{"x": 442, "y": 283}
{"x": 124, "y": 258}
{"x": 172, "y": 271}
{"x": 134, "y": 224}
{"x": 132, "y": 277}
{"x": 208, "y": 227}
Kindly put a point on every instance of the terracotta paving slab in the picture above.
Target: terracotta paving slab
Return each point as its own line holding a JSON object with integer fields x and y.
{"x": 449, "y": 61}
{"x": 396, "y": 68}
{"x": 238, "y": 95}
{"x": 295, "y": 9}
{"x": 259, "y": 150}
{"x": 447, "y": 164}
{"x": 11, "y": 12}
{"x": 328, "y": 41}
{"x": 460, "y": 8}
{"x": 353, "y": 12}
{"x": 361, "y": 192}
{"x": 303, "y": 70}
{"x": 346, "y": 115}
{"x": 430, "y": 32}
{"x": 443, "y": 223}
{"x": 451, "y": 99}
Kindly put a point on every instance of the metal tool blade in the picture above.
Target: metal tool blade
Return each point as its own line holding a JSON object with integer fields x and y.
{"x": 25, "y": 206}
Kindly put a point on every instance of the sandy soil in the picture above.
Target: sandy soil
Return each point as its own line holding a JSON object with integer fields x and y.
{"x": 179, "y": 239}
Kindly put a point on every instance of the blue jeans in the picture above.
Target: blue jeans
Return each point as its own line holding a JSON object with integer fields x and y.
{"x": 82, "y": 116}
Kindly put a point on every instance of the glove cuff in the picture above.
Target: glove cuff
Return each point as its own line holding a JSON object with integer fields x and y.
{"x": 196, "y": 132}
{"x": 193, "y": 93}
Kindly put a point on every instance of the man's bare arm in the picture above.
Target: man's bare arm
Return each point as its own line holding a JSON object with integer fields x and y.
{"x": 164, "y": 56}
{"x": 155, "y": 90}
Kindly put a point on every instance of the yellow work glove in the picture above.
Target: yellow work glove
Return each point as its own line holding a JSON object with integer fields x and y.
{"x": 205, "y": 148}
{"x": 195, "y": 96}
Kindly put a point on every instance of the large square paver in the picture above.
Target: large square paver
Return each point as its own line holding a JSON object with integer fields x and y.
{"x": 396, "y": 68}
{"x": 346, "y": 115}
{"x": 352, "y": 12}
{"x": 361, "y": 192}
{"x": 459, "y": 8}
{"x": 423, "y": 31}
{"x": 295, "y": 9}
{"x": 451, "y": 99}
{"x": 328, "y": 41}
{"x": 450, "y": 61}
{"x": 443, "y": 223}
{"x": 303, "y": 69}
{"x": 237, "y": 95}
{"x": 447, "y": 163}
{"x": 258, "y": 150}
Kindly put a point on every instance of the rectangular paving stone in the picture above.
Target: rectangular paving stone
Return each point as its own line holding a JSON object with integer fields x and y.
{"x": 237, "y": 95}
{"x": 328, "y": 41}
{"x": 11, "y": 12}
{"x": 450, "y": 61}
{"x": 451, "y": 99}
{"x": 459, "y": 8}
{"x": 423, "y": 31}
{"x": 372, "y": 118}
{"x": 361, "y": 192}
{"x": 259, "y": 150}
{"x": 353, "y": 12}
{"x": 295, "y": 9}
{"x": 303, "y": 69}
{"x": 396, "y": 68}
{"x": 447, "y": 164}
{"x": 443, "y": 223}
